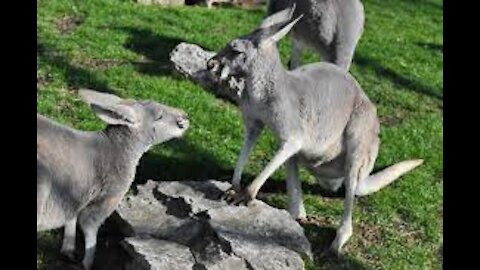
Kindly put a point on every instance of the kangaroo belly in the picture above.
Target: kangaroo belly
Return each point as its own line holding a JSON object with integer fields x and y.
{"x": 319, "y": 23}
{"x": 54, "y": 205}
{"x": 51, "y": 216}
{"x": 322, "y": 153}
{"x": 328, "y": 171}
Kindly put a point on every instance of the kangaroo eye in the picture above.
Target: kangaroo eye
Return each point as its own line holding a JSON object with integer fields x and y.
{"x": 158, "y": 117}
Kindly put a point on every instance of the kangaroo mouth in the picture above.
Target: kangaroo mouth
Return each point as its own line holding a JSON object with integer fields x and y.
{"x": 221, "y": 72}
{"x": 183, "y": 124}
{"x": 225, "y": 75}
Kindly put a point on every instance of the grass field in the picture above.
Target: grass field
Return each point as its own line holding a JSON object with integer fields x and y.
{"x": 123, "y": 47}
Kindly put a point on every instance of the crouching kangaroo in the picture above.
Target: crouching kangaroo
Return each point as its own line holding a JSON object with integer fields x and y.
{"x": 82, "y": 176}
{"x": 320, "y": 114}
{"x": 330, "y": 27}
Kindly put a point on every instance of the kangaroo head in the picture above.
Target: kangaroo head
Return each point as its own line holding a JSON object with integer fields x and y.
{"x": 245, "y": 54}
{"x": 156, "y": 121}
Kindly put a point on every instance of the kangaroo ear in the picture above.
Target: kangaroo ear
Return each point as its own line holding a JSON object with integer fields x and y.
{"x": 94, "y": 97}
{"x": 279, "y": 17}
{"x": 110, "y": 108}
{"x": 120, "y": 114}
{"x": 277, "y": 33}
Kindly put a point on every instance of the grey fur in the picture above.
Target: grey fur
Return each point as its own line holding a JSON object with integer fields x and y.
{"x": 83, "y": 175}
{"x": 330, "y": 27}
{"x": 322, "y": 117}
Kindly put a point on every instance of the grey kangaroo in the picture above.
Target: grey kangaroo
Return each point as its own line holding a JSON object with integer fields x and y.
{"x": 331, "y": 27}
{"x": 82, "y": 176}
{"x": 322, "y": 117}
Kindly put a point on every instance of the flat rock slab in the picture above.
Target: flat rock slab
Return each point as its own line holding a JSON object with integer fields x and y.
{"x": 151, "y": 253}
{"x": 183, "y": 225}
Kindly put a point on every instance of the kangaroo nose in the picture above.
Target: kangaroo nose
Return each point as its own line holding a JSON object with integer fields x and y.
{"x": 213, "y": 64}
{"x": 182, "y": 121}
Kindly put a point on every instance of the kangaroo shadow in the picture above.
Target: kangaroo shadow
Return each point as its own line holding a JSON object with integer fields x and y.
{"x": 189, "y": 163}
{"x": 194, "y": 2}
{"x": 192, "y": 163}
{"x": 429, "y": 3}
{"x": 76, "y": 77}
{"x": 397, "y": 78}
{"x": 153, "y": 47}
{"x": 279, "y": 186}
{"x": 109, "y": 253}
{"x": 431, "y": 46}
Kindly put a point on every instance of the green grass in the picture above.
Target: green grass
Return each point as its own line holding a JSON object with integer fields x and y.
{"x": 122, "y": 47}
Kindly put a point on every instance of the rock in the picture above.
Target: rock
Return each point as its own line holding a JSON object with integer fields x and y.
{"x": 163, "y": 255}
{"x": 190, "y": 60}
{"x": 162, "y": 2}
{"x": 183, "y": 225}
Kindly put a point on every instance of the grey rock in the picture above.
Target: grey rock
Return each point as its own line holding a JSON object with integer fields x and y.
{"x": 160, "y": 254}
{"x": 183, "y": 225}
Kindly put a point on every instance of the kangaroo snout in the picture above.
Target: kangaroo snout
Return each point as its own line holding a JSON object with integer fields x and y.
{"x": 213, "y": 64}
{"x": 218, "y": 68}
{"x": 183, "y": 122}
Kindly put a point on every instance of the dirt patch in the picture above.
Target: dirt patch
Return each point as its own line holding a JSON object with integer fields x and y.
{"x": 366, "y": 235}
{"x": 394, "y": 119}
{"x": 102, "y": 63}
{"x": 319, "y": 221}
{"x": 43, "y": 79}
{"x": 369, "y": 233}
{"x": 220, "y": 30}
{"x": 321, "y": 231}
{"x": 67, "y": 23}
{"x": 400, "y": 226}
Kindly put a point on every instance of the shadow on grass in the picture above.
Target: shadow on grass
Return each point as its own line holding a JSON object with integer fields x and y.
{"x": 431, "y": 46}
{"x": 109, "y": 253}
{"x": 194, "y": 2}
{"x": 189, "y": 163}
{"x": 75, "y": 77}
{"x": 427, "y": 3}
{"x": 49, "y": 243}
{"x": 397, "y": 78}
{"x": 279, "y": 186}
{"x": 192, "y": 163}
{"x": 155, "y": 49}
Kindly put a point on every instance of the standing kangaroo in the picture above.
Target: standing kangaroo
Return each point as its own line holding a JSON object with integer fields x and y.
{"x": 320, "y": 114}
{"x": 82, "y": 176}
{"x": 331, "y": 27}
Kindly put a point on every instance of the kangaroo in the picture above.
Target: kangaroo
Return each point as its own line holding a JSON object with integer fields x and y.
{"x": 82, "y": 176}
{"x": 320, "y": 114}
{"x": 330, "y": 27}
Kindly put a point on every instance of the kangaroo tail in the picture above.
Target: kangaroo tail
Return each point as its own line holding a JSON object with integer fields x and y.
{"x": 379, "y": 180}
